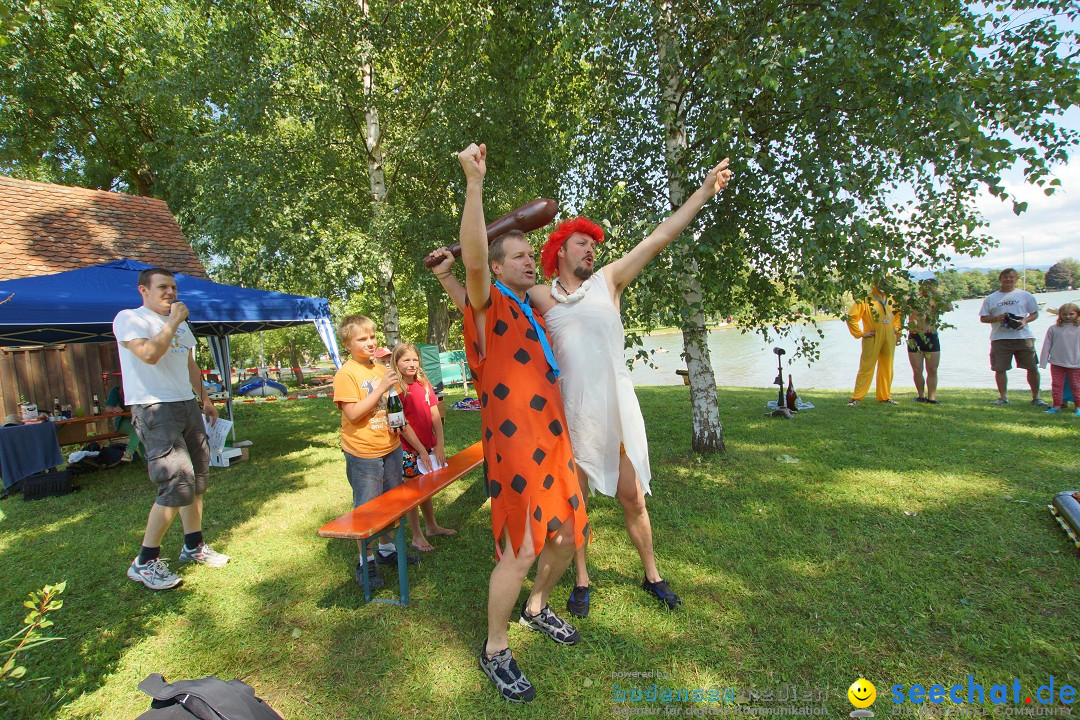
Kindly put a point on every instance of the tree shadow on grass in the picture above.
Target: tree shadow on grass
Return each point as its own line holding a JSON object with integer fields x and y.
{"x": 807, "y": 573}
{"x": 800, "y": 573}
{"x": 88, "y": 539}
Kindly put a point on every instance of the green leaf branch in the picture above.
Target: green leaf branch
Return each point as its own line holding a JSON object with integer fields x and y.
{"x": 41, "y": 603}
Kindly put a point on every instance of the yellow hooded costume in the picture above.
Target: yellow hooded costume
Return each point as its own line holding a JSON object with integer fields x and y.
{"x": 875, "y": 314}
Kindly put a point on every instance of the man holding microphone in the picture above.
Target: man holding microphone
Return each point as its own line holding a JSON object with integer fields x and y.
{"x": 164, "y": 388}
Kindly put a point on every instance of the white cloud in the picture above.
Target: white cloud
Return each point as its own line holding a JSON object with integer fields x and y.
{"x": 1048, "y": 230}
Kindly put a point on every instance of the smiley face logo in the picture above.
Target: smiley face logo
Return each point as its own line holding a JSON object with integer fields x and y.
{"x": 862, "y": 693}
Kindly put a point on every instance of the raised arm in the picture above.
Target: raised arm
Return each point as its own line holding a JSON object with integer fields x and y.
{"x": 621, "y": 272}
{"x": 450, "y": 283}
{"x": 474, "y": 247}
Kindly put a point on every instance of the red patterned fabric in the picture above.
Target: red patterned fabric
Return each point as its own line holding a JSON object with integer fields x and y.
{"x": 531, "y": 472}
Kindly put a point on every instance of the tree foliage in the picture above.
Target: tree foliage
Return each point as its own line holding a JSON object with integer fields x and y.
{"x": 94, "y": 92}
{"x": 1063, "y": 274}
{"x": 862, "y": 135}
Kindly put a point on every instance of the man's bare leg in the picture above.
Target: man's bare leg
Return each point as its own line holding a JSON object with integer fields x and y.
{"x": 1033, "y": 383}
{"x": 191, "y": 515}
{"x": 504, "y": 588}
{"x": 1002, "y": 380}
{"x": 636, "y": 516}
{"x": 157, "y": 524}
{"x": 581, "y": 569}
{"x": 496, "y": 659}
{"x": 550, "y": 566}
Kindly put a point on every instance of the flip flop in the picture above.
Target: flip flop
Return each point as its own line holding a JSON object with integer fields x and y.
{"x": 422, "y": 548}
{"x": 443, "y": 532}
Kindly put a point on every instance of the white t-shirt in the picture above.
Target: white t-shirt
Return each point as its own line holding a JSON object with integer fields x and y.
{"x": 167, "y": 380}
{"x": 1017, "y": 302}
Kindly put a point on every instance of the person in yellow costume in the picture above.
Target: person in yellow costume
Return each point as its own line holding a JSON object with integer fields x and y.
{"x": 875, "y": 321}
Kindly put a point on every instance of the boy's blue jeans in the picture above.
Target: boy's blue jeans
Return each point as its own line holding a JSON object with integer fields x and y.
{"x": 371, "y": 477}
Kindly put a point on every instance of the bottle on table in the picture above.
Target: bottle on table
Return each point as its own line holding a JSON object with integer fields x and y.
{"x": 56, "y": 410}
{"x": 792, "y": 397}
{"x": 395, "y": 411}
{"x": 97, "y": 406}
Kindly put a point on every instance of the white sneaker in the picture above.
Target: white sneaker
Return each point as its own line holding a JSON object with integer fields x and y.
{"x": 155, "y": 574}
{"x": 204, "y": 555}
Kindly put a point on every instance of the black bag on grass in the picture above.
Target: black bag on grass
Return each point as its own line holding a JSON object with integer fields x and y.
{"x": 107, "y": 457}
{"x": 208, "y": 699}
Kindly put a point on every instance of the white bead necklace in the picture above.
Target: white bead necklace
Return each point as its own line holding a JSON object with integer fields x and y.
{"x": 572, "y": 297}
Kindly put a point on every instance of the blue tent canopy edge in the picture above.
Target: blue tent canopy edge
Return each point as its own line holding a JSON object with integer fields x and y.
{"x": 79, "y": 306}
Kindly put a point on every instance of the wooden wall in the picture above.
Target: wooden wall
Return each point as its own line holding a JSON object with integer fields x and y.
{"x": 72, "y": 373}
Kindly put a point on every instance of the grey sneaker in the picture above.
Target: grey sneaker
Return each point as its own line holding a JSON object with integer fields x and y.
{"x": 1001, "y": 401}
{"x": 204, "y": 555}
{"x": 505, "y": 676}
{"x": 155, "y": 574}
{"x": 550, "y": 624}
{"x": 1039, "y": 402}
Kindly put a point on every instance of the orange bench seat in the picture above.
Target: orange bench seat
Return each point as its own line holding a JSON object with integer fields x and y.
{"x": 387, "y": 510}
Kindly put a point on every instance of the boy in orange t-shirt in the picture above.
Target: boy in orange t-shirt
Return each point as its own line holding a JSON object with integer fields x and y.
{"x": 372, "y": 449}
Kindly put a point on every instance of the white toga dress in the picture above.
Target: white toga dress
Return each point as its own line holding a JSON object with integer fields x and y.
{"x": 601, "y": 407}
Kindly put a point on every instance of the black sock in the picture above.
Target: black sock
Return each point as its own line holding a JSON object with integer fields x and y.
{"x": 193, "y": 540}
{"x": 146, "y": 554}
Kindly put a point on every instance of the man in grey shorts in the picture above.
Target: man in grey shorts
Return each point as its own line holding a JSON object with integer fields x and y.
{"x": 164, "y": 388}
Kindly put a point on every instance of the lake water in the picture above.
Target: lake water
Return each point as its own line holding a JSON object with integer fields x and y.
{"x": 745, "y": 360}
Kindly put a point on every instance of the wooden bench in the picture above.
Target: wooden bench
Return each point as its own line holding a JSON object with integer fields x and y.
{"x": 387, "y": 510}
{"x": 76, "y": 430}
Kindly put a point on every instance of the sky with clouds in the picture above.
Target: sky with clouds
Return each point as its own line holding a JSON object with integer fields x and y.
{"x": 1050, "y": 228}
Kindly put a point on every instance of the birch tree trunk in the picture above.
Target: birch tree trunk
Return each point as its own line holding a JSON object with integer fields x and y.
{"x": 708, "y": 434}
{"x": 377, "y": 179}
{"x": 439, "y": 319}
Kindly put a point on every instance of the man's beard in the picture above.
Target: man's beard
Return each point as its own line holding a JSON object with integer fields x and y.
{"x": 582, "y": 273}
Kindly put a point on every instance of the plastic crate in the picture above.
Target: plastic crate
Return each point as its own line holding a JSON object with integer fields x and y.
{"x": 47, "y": 484}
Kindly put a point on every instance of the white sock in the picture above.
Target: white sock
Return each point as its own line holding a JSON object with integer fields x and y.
{"x": 387, "y": 548}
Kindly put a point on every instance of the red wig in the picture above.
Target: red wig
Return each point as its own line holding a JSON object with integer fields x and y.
{"x": 549, "y": 259}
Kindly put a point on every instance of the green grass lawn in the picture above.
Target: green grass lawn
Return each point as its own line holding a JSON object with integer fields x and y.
{"x": 909, "y": 544}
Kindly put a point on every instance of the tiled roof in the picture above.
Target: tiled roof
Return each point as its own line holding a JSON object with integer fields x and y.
{"x": 47, "y": 229}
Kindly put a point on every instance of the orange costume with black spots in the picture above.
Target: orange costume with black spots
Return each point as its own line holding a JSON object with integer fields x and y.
{"x": 530, "y": 465}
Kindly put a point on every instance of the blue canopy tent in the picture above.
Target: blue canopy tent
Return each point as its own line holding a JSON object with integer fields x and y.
{"x": 79, "y": 306}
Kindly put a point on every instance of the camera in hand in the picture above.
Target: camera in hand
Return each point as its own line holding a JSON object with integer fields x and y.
{"x": 1012, "y": 321}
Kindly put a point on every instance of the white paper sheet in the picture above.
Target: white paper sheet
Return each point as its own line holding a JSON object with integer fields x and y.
{"x": 217, "y": 434}
{"x": 433, "y": 463}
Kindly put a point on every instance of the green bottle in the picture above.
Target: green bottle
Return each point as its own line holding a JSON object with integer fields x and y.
{"x": 395, "y": 411}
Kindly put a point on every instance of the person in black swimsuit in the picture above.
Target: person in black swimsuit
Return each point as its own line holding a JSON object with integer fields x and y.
{"x": 923, "y": 343}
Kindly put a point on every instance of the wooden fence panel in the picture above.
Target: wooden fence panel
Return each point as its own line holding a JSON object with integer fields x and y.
{"x": 72, "y": 373}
